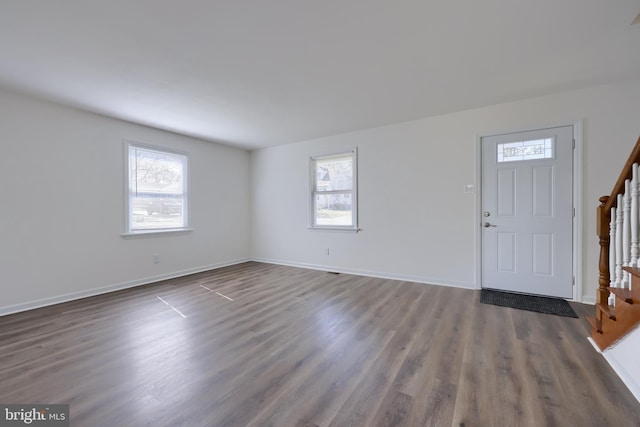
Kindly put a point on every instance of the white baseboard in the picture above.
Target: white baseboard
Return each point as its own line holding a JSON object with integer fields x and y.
{"x": 621, "y": 366}
{"x": 146, "y": 280}
{"x": 626, "y": 378}
{"x": 588, "y": 299}
{"x": 119, "y": 286}
{"x": 111, "y": 288}
{"x": 594, "y": 345}
{"x": 369, "y": 273}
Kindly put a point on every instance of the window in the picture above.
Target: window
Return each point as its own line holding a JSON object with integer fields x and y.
{"x": 157, "y": 190}
{"x": 525, "y": 150}
{"x": 334, "y": 194}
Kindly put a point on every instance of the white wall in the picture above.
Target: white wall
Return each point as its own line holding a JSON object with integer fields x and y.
{"x": 416, "y": 221}
{"x": 61, "y": 202}
{"x": 61, "y": 206}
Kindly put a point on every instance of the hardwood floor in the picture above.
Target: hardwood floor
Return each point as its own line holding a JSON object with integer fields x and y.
{"x": 265, "y": 345}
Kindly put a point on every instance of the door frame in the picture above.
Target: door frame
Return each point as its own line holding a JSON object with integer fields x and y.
{"x": 577, "y": 199}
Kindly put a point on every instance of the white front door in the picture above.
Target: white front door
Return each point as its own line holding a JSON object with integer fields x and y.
{"x": 527, "y": 212}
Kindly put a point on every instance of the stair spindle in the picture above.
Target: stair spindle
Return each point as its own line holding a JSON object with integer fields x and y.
{"x": 626, "y": 232}
{"x": 619, "y": 221}
{"x": 612, "y": 248}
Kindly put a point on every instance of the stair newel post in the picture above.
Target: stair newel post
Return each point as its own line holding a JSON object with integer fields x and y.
{"x": 603, "y": 218}
{"x": 626, "y": 232}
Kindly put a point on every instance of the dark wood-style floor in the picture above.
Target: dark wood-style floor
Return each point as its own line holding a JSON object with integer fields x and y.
{"x": 300, "y": 347}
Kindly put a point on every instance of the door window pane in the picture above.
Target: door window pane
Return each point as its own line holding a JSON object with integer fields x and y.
{"x": 525, "y": 150}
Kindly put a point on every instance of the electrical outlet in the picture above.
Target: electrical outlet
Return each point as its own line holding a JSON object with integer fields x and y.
{"x": 156, "y": 259}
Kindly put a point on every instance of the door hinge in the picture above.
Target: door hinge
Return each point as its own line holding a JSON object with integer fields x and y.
{"x": 574, "y": 212}
{"x": 573, "y": 281}
{"x": 574, "y": 143}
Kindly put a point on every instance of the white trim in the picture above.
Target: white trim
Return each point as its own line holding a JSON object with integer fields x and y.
{"x": 594, "y": 345}
{"x": 334, "y": 153}
{"x": 541, "y": 126}
{"x": 477, "y": 274}
{"x": 369, "y": 273}
{"x": 588, "y": 299}
{"x": 112, "y": 288}
{"x": 334, "y": 228}
{"x": 577, "y": 199}
{"x": 44, "y": 302}
{"x": 633, "y": 384}
{"x": 156, "y": 232}
{"x": 578, "y": 290}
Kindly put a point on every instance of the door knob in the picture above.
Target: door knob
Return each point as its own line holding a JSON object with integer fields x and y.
{"x": 487, "y": 225}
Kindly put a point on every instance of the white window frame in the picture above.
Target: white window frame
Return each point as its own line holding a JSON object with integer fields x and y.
{"x": 129, "y": 230}
{"x": 353, "y": 152}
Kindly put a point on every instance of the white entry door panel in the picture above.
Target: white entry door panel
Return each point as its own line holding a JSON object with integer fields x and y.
{"x": 527, "y": 212}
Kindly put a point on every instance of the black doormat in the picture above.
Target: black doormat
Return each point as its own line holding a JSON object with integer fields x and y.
{"x": 546, "y": 305}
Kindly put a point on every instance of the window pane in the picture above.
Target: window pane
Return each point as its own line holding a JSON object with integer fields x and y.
{"x": 333, "y": 209}
{"x": 156, "y": 212}
{"x": 335, "y": 173}
{"x": 525, "y": 150}
{"x": 156, "y": 172}
{"x": 157, "y": 189}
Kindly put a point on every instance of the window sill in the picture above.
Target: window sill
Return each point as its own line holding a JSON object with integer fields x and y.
{"x": 338, "y": 229}
{"x": 153, "y": 233}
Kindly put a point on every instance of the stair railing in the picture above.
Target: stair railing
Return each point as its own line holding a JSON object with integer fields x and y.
{"x": 618, "y": 230}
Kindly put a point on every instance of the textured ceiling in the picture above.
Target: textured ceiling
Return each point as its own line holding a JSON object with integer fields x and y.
{"x": 263, "y": 73}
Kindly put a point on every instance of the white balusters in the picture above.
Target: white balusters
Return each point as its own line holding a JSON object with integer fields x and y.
{"x": 626, "y": 232}
{"x": 619, "y": 221}
{"x": 612, "y": 254}
{"x": 612, "y": 248}
{"x": 634, "y": 217}
{"x": 618, "y": 248}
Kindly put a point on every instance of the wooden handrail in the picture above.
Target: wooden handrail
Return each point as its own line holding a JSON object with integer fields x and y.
{"x": 625, "y": 174}
{"x": 603, "y": 220}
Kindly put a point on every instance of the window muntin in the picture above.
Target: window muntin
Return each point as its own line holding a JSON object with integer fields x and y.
{"x": 334, "y": 191}
{"x": 525, "y": 150}
{"x": 157, "y": 191}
